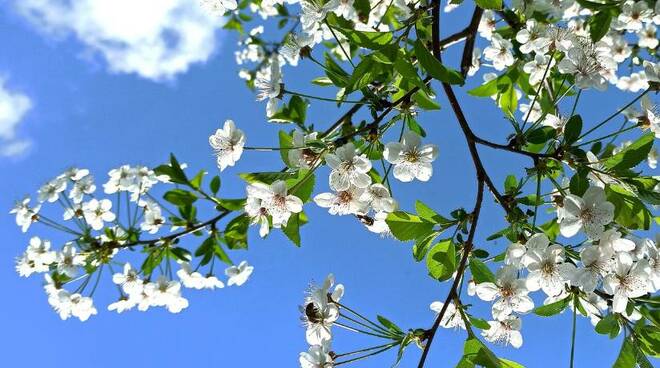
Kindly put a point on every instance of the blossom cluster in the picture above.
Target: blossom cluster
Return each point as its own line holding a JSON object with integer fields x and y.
{"x": 100, "y": 235}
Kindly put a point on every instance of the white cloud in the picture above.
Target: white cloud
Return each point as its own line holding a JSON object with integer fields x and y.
{"x": 156, "y": 39}
{"x": 13, "y": 107}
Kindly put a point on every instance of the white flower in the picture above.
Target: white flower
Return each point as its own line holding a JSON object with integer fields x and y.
{"x": 487, "y": 24}
{"x": 316, "y": 357}
{"x": 195, "y": 280}
{"x": 293, "y": 45}
{"x": 652, "y": 158}
{"x": 592, "y": 66}
{"x": 538, "y": 68}
{"x": 268, "y": 86}
{"x": 218, "y": 7}
{"x": 50, "y": 191}
{"x": 227, "y": 143}
{"x": 258, "y": 214}
{"x": 510, "y": 292}
{"x": 123, "y": 304}
{"x": 348, "y": 168}
{"x": 378, "y": 224}
{"x": 82, "y": 307}
{"x": 74, "y": 174}
{"x": 634, "y": 83}
{"x": 547, "y": 270}
{"x": 618, "y": 46}
{"x": 378, "y": 197}
{"x": 83, "y": 186}
{"x": 531, "y": 38}
{"x": 554, "y": 121}
{"x": 129, "y": 280}
{"x": 518, "y": 254}
{"x": 238, "y": 275}
{"x": 650, "y": 117}
{"x": 121, "y": 179}
{"x": 612, "y": 241}
{"x": 153, "y": 218}
{"x": 320, "y": 311}
{"x": 629, "y": 280}
{"x": 276, "y": 201}
{"x": 313, "y": 12}
{"x": 634, "y": 15}
{"x": 345, "y": 202}
{"x": 452, "y": 317}
{"x": 68, "y": 260}
{"x": 590, "y": 213}
{"x": 410, "y": 158}
{"x": 25, "y": 215}
{"x": 97, "y": 212}
{"x": 304, "y": 157}
{"x": 499, "y": 52}
{"x": 654, "y": 266}
{"x": 166, "y": 293}
{"x": 596, "y": 263}
{"x": 37, "y": 258}
{"x": 506, "y": 331}
{"x": 652, "y": 71}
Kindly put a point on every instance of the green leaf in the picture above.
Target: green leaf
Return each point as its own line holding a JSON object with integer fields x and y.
{"x": 423, "y": 100}
{"x": 479, "y": 323}
{"x": 335, "y": 73}
{"x": 196, "y": 182}
{"x": 599, "y": 24}
{"x": 236, "y": 204}
{"x": 293, "y": 112}
{"x": 552, "y": 308}
{"x": 579, "y": 182}
{"x": 481, "y": 272}
{"x": 649, "y": 338}
{"x": 485, "y": 90}
{"x": 406, "y": 226}
{"x": 441, "y": 260}
{"x": 489, "y": 4}
{"x": 608, "y": 326}
{"x": 428, "y": 214}
{"x": 368, "y": 40}
{"x": 627, "y": 356}
{"x": 508, "y": 100}
{"x": 214, "y": 185}
{"x": 422, "y": 245}
{"x": 292, "y": 228}
{"x": 180, "y": 197}
{"x": 322, "y": 81}
{"x": 286, "y": 142}
{"x": 389, "y": 325}
{"x": 173, "y": 171}
{"x": 435, "y": 67}
{"x": 632, "y": 155}
{"x": 365, "y": 72}
{"x": 572, "y": 129}
{"x": 629, "y": 211}
{"x": 404, "y": 66}
{"x": 236, "y": 232}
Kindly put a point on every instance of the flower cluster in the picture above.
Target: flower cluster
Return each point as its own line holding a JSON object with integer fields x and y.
{"x": 100, "y": 236}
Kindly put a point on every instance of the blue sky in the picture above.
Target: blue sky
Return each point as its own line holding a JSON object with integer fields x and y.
{"x": 85, "y": 114}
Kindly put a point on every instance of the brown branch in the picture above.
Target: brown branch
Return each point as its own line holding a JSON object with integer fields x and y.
{"x": 466, "y": 60}
{"x": 453, "y": 292}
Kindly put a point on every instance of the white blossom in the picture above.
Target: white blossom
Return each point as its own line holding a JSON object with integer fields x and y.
{"x": 227, "y": 143}
{"x": 348, "y": 168}
{"x": 510, "y": 292}
{"x": 590, "y": 213}
{"x": 505, "y": 332}
{"x": 452, "y": 317}
{"x": 69, "y": 261}
{"x": 320, "y": 311}
{"x": 499, "y": 52}
{"x": 344, "y": 202}
{"x": 238, "y": 275}
{"x": 218, "y": 7}
{"x": 410, "y": 158}
{"x": 629, "y": 280}
{"x": 97, "y": 212}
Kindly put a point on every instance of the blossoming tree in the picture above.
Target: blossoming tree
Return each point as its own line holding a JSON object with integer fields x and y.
{"x": 582, "y": 246}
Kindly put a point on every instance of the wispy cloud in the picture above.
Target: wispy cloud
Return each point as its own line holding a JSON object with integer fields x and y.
{"x": 154, "y": 39}
{"x": 13, "y": 107}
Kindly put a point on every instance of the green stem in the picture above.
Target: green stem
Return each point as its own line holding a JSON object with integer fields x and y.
{"x": 609, "y": 135}
{"x": 365, "y": 356}
{"x": 366, "y": 349}
{"x": 325, "y": 99}
{"x": 353, "y": 329}
{"x": 614, "y": 114}
{"x": 573, "y": 333}
{"x": 339, "y": 43}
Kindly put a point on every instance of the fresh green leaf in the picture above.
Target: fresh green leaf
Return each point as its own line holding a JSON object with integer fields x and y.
{"x": 441, "y": 260}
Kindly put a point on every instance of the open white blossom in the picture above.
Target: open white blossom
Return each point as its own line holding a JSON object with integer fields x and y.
{"x": 276, "y": 201}
{"x": 547, "y": 269}
{"x": 410, "y": 158}
{"x": 50, "y": 192}
{"x": 83, "y": 186}
{"x": 344, "y": 202}
{"x": 505, "y": 332}
{"x": 69, "y": 261}
{"x": 166, "y": 293}
{"x": 98, "y": 212}
{"x": 302, "y": 157}
{"x": 510, "y": 292}
{"x": 499, "y": 52}
{"x": 320, "y": 311}
{"x": 590, "y": 213}
{"x": 195, "y": 280}
{"x": 129, "y": 280}
{"x": 629, "y": 280}
{"x": 348, "y": 168}
{"x": 317, "y": 356}
{"x": 238, "y": 275}
{"x": 268, "y": 84}
{"x": 25, "y": 215}
{"x": 227, "y": 143}
{"x": 596, "y": 263}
